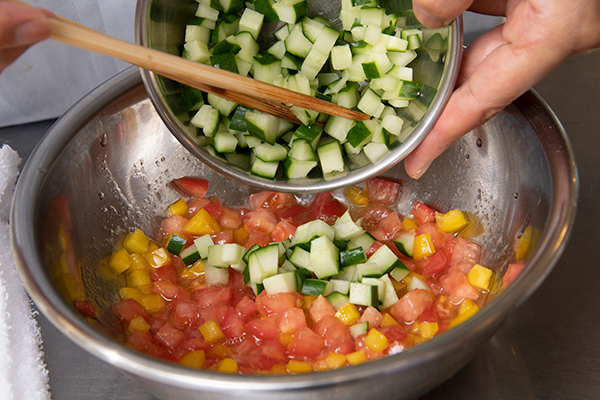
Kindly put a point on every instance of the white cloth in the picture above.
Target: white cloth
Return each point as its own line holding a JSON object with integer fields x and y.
{"x": 50, "y": 77}
{"x": 23, "y": 374}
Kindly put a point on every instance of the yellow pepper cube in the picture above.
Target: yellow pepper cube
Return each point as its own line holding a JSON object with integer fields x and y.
{"x": 298, "y": 367}
{"x": 426, "y": 329}
{"x": 524, "y": 243}
{"x": 158, "y": 258}
{"x": 138, "y": 323}
{"x": 335, "y": 361}
{"x": 139, "y": 262}
{"x": 194, "y": 359}
{"x": 357, "y": 195}
{"x": 279, "y": 369}
{"x": 480, "y": 277}
{"x": 358, "y": 357}
{"x": 285, "y": 339}
{"x": 348, "y": 314}
{"x": 129, "y": 293}
{"x": 220, "y": 350}
{"x": 466, "y": 310}
{"x": 451, "y": 222}
{"x": 228, "y": 365}
{"x": 388, "y": 320}
{"x": 307, "y": 301}
{"x": 180, "y": 207}
{"x": 136, "y": 242}
{"x": 152, "y": 302}
{"x": 119, "y": 261}
{"x": 423, "y": 247}
{"x": 408, "y": 223}
{"x": 376, "y": 341}
{"x": 193, "y": 271}
{"x": 138, "y": 278}
{"x": 202, "y": 223}
{"x": 211, "y": 331}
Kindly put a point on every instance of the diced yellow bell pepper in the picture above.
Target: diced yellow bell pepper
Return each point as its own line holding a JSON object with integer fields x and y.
{"x": 119, "y": 261}
{"x": 153, "y": 246}
{"x": 152, "y": 302}
{"x": 241, "y": 235}
{"x": 425, "y": 329}
{"x": 332, "y": 361}
{"x": 279, "y": 369}
{"x": 228, "y": 365}
{"x": 357, "y": 195}
{"x": 466, "y": 310}
{"x": 193, "y": 271}
{"x": 136, "y": 242}
{"x": 211, "y": 331}
{"x": 408, "y": 223}
{"x": 358, "y": 357}
{"x": 202, "y": 223}
{"x": 451, "y": 222}
{"x": 194, "y": 359}
{"x": 423, "y": 247}
{"x": 129, "y": 293}
{"x": 158, "y": 258}
{"x": 307, "y": 301}
{"x": 138, "y": 278}
{"x": 298, "y": 367}
{"x": 139, "y": 262}
{"x": 480, "y": 277}
{"x": 286, "y": 338}
{"x": 524, "y": 243}
{"x": 376, "y": 341}
{"x": 348, "y": 314}
{"x": 180, "y": 207}
{"x": 138, "y": 323}
{"x": 388, "y": 320}
{"x": 220, "y": 350}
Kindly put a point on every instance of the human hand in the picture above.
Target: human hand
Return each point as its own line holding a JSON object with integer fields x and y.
{"x": 20, "y": 27}
{"x": 503, "y": 63}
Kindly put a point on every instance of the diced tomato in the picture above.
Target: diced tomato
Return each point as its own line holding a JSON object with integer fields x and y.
{"x": 372, "y": 316}
{"x": 321, "y": 308}
{"x": 231, "y": 218}
{"x": 129, "y": 309}
{"x": 195, "y": 205}
{"x": 191, "y": 186}
{"x": 213, "y": 295}
{"x": 169, "y": 337}
{"x": 465, "y": 254}
{"x": 393, "y": 333}
{"x": 167, "y": 289}
{"x": 183, "y": 312}
{"x": 272, "y": 200}
{"x": 436, "y": 264}
{"x": 456, "y": 286}
{"x": 258, "y": 238}
{"x": 274, "y": 350}
{"x": 260, "y": 221}
{"x": 291, "y": 320}
{"x": 142, "y": 342}
{"x": 411, "y": 305}
{"x": 437, "y": 236}
{"x": 260, "y": 199}
{"x": 338, "y": 338}
{"x": 326, "y": 208}
{"x": 429, "y": 315}
{"x": 511, "y": 273}
{"x": 422, "y": 213}
{"x": 373, "y": 217}
{"x": 215, "y": 312}
{"x": 215, "y": 208}
{"x": 283, "y": 230}
{"x": 247, "y": 308}
{"x": 387, "y": 227}
{"x": 277, "y": 303}
{"x": 233, "y": 324}
{"x": 305, "y": 344}
{"x": 164, "y": 273}
{"x": 85, "y": 308}
{"x": 195, "y": 344}
{"x": 294, "y": 212}
{"x": 265, "y": 328}
{"x": 222, "y": 237}
{"x": 173, "y": 224}
{"x": 448, "y": 246}
{"x": 383, "y": 191}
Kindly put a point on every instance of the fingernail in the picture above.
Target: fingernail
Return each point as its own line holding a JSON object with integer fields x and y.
{"x": 28, "y": 33}
{"x": 419, "y": 173}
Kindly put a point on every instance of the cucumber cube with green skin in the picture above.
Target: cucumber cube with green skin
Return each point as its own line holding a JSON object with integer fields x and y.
{"x": 352, "y": 257}
{"x": 197, "y": 51}
{"x": 324, "y": 257}
{"x": 330, "y": 157}
{"x": 263, "y": 263}
{"x": 337, "y": 299}
{"x": 229, "y": 45}
{"x": 297, "y": 169}
{"x": 263, "y": 126}
{"x": 249, "y": 46}
{"x": 193, "y": 98}
{"x": 265, "y": 7}
{"x": 251, "y": 21}
{"x": 270, "y": 152}
{"x": 311, "y": 28}
{"x": 297, "y": 44}
{"x": 375, "y": 151}
{"x": 309, "y": 133}
{"x": 363, "y": 295}
{"x": 197, "y": 32}
{"x": 225, "y": 142}
{"x": 291, "y": 11}
{"x": 265, "y": 169}
{"x": 202, "y": 22}
{"x": 281, "y": 283}
{"x": 238, "y": 122}
{"x": 302, "y": 150}
{"x": 190, "y": 255}
{"x": 340, "y": 286}
{"x": 224, "y": 61}
{"x": 360, "y": 328}
{"x": 176, "y": 244}
{"x": 291, "y": 61}
{"x": 359, "y": 134}
{"x": 408, "y": 90}
{"x": 315, "y": 287}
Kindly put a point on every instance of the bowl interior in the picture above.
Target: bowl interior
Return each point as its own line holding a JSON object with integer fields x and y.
{"x": 105, "y": 167}
{"x": 160, "y": 24}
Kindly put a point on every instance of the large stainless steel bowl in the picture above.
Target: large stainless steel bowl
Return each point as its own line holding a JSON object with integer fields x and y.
{"x": 104, "y": 169}
{"x": 160, "y": 24}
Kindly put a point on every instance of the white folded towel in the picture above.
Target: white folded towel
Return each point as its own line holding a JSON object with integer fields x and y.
{"x": 23, "y": 374}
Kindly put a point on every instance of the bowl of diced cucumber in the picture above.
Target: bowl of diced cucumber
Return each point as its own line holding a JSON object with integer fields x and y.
{"x": 369, "y": 55}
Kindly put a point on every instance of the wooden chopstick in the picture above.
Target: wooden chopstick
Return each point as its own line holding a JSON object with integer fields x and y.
{"x": 246, "y": 91}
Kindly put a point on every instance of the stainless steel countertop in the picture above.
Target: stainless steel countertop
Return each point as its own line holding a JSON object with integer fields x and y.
{"x": 547, "y": 349}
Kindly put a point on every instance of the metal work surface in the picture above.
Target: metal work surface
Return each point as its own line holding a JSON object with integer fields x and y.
{"x": 546, "y": 349}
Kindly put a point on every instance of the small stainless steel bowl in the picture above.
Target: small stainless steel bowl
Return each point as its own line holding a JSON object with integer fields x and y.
{"x": 104, "y": 168}
{"x": 160, "y": 24}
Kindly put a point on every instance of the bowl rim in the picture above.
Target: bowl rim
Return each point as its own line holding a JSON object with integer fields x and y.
{"x": 449, "y": 77}
{"x": 47, "y": 299}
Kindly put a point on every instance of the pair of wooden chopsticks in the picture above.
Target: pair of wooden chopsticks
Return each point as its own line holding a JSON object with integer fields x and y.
{"x": 243, "y": 90}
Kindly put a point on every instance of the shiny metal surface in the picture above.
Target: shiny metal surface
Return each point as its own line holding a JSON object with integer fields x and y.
{"x": 110, "y": 158}
{"x": 160, "y": 25}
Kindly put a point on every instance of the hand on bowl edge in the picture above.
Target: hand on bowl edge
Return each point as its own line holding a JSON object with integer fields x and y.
{"x": 503, "y": 63}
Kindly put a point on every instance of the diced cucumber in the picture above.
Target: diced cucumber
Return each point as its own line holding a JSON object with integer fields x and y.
{"x": 291, "y": 11}
{"x": 330, "y": 157}
{"x": 305, "y": 233}
{"x": 368, "y": 270}
{"x": 224, "y": 255}
{"x": 229, "y": 45}
{"x": 215, "y": 275}
{"x": 349, "y": 274}
{"x": 390, "y": 297}
{"x": 377, "y": 283}
{"x": 392, "y": 124}
{"x": 263, "y": 263}
{"x": 375, "y": 151}
{"x": 266, "y": 68}
{"x": 263, "y": 126}
{"x": 385, "y": 259}
{"x": 224, "y": 61}
{"x": 300, "y": 258}
{"x": 297, "y": 169}
{"x": 302, "y": 150}
{"x": 297, "y": 44}
{"x": 364, "y": 240}
{"x": 417, "y": 283}
{"x": 345, "y": 228}
{"x": 360, "y": 328}
{"x": 265, "y": 169}
{"x": 270, "y": 152}
{"x": 197, "y": 51}
{"x": 311, "y": 28}
{"x": 265, "y": 7}
{"x": 363, "y": 295}
{"x": 193, "y": 98}
{"x": 316, "y": 287}
{"x": 337, "y": 299}
{"x": 251, "y": 21}
{"x": 340, "y": 286}
{"x": 225, "y": 142}
{"x": 324, "y": 257}
{"x": 202, "y": 244}
{"x": 399, "y": 273}
{"x": 352, "y": 257}
{"x": 406, "y": 244}
{"x": 190, "y": 255}
{"x": 281, "y": 283}
{"x": 175, "y": 244}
